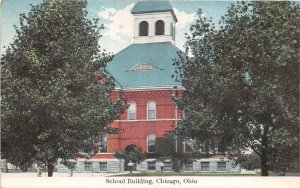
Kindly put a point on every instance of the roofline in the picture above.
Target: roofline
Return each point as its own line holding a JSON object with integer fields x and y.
{"x": 147, "y": 88}
{"x": 154, "y": 11}
{"x": 145, "y": 43}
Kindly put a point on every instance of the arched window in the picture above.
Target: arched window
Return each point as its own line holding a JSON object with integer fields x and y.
{"x": 151, "y": 143}
{"x": 151, "y": 110}
{"x": 132, "y": 111}
{"x": 160, "y": 27}
{"x": 144, "y": 27}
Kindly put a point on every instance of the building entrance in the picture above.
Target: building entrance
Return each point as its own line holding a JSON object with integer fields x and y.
{"x": 130, "y": 148}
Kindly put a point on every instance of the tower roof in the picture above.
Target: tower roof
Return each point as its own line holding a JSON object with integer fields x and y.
{"x": 153, "y": 6}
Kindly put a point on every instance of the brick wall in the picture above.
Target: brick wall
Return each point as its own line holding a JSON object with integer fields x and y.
{"x": 136, "y": 131}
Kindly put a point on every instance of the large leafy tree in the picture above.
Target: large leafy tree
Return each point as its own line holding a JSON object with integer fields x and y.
{"x": 55, "y": 99}
{"x": 242, "y": 82}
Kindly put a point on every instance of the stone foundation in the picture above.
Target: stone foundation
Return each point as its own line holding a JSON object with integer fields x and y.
{"x": 117, "y": 166}
{"x": 93, "y": 166}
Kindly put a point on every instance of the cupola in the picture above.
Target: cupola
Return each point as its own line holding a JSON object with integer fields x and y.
{"x": 154, "y": 21}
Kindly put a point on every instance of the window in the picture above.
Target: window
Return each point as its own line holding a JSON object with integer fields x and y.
{"x": 167, "y": 166}
{"x": 204, "y": 166}
{"x": 144, "y": 27}
{"x": 103, "y": 166}
{"x": 132, "y": 111}
{"x": 73, "y": 166}
{"x": 221, "y": 166}
{"x": 88, "y": 166}
{"x": 151, "y": 107}
{"x": 151, "y": 143}
{"x": 188, "y": 166}
{"x": 101, "y": 143}
{"x": 152, "y": 165}
{"x": 160, "y": 27}
{"x": 143, "y": 67}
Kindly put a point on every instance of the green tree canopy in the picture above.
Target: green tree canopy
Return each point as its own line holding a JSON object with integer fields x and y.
{"x": 55, "y": 99}
{"x": 242, "y": 81}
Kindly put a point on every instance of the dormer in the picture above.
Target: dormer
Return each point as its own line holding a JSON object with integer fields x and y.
{"x": 154, "y": 21}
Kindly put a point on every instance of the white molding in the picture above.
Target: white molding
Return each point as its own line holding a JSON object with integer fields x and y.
{"x": 143, "y": 120}
{"x": 147, "y": 88}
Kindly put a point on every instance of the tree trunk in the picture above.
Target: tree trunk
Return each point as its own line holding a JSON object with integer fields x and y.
{"x": 50, "y": 167}
{"x": 264, "y": 152}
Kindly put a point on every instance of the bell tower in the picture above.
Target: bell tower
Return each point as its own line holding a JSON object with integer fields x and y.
{"x": 154, "y": 21}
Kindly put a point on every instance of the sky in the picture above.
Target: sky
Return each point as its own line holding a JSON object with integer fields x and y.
{"x": 117, "y": 19}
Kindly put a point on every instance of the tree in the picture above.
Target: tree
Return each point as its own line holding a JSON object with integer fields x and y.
{"x": 55, "y": 99}
{"x": 133, "y": 154}
{"x": 242, "y": 82}
{"x": 248, "y": 161}
{"x": 171, "y": 147}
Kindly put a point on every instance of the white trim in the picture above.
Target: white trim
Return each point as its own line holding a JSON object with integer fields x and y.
{"x": 148, "y": 109}
{"x": 147, "y": 88}
{"x": 142, "y": 120}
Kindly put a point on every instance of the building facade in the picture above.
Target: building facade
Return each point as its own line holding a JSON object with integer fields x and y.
{"x": 143, "y": 76}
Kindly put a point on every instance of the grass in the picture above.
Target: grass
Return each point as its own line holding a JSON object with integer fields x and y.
{"x": 198, "y": 174}
{"x": 184, "y": 174}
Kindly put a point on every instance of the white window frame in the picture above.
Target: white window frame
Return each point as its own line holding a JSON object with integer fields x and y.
{"x": 102, "y": 170}
{"x": 206, "y": 166}
{"x": 148, "y": 143}
{"x": 186, "y": 167}
{"x": 88, "y": 167}
{"x": 220, "y": 167}
{"x": 128, "y": 111}
{"x": 152, "y": 162}
{"x": 151, "y": 101}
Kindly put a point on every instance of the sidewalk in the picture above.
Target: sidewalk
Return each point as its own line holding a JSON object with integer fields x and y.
{"x": 58, "y": 174}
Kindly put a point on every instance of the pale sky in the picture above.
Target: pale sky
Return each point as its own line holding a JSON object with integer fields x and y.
{"x": 117, "y": 19}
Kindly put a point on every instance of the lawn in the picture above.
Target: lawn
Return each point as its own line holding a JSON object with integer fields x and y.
{"x": 184, "y": 174}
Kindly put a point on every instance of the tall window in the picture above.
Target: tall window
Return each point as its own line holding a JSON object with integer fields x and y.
{"x": 103, "y": 143}
{"x": 132, "y": 111}
{"x": 151, "y": 107}
{"x": 151, "y": 143}
{"x": 160, "y": 27}
{"x": 144, "y": 27}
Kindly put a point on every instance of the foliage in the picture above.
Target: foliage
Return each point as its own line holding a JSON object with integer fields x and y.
{"x": 242, "y": 81}
{"x": 134, "y": 155}
{"x": 55, "y": 99}
{"x": 166, "y": 149}
{"x": 248, "y": 161}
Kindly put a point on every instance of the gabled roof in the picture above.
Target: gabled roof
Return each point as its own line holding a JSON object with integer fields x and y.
{"x": 153, "y": 6}
{"x": 159, "y": 55}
